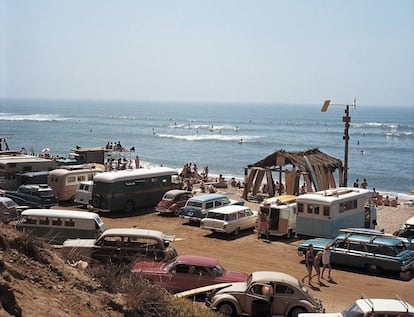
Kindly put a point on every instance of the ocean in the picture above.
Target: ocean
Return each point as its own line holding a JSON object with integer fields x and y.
{"x": 223, "y": 136}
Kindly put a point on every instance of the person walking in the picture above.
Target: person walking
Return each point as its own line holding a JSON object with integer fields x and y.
{"x": 309, "y": 260}
{"x": 326, "y": 262}
{"x": 317, "y": 265}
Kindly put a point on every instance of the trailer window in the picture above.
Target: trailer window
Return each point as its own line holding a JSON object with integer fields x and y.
{"x": 326, "y": 211}
{"x": 300, "y": 207}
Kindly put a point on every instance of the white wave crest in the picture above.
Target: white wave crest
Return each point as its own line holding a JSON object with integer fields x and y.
{"x": 209, "y": 137}
{"x": 31, "y": 117}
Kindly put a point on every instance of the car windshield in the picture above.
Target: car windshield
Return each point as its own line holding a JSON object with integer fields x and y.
{"x": 217, "y": 270}
{"x": 169, "y": 197}
{"x": 10, "y": 203}
{"x": 353, "y": 311}
{"x": 192, "y": 203}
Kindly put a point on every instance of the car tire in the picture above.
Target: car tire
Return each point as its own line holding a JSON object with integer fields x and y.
{"x": 405, "y": 276}
{"x": 226, "y": 309}
{"x": 96, "y": 201}
{"x": 373, "y": 268}
{"x": 236, "y": 232}
{"x": 177, "y": 212}
{"x": 296, "y": 311}
{"x": 129, "y": 206}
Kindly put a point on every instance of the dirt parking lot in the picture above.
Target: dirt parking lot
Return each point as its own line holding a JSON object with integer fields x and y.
{"x": 247, "y": 253}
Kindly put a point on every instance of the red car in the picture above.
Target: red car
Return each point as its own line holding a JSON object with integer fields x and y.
{"x": 187, "y": 272}
{"x": 172, "y": 202}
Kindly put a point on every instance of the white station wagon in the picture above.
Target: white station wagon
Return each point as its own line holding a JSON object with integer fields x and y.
{"x": 229, "y": 219}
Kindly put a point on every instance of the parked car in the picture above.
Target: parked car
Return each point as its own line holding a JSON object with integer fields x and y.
{"x": 367, "y": 249}
{"x": 9, "y": 210}
{"x": 406, "y": 230}
{"x": 368, "y": 307}
{"x": 172, "y": 202}
{"x": 197, "y": 207}
{"x": 187, "y": 272}
{"x": 55, "y": 226}
{"x": 265, "y": 294}
{"x": 122, "y": 245}
{"x": 33, "y": 195}
{"x": 229, "y": 219}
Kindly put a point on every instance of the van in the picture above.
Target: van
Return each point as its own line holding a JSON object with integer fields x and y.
{"x": 54, "y": 226}
{"x": 197, "y": 207}
{"x": 83, "y": 194}
{"x": 282, "y": 212}
{"x": 229, "y": 219}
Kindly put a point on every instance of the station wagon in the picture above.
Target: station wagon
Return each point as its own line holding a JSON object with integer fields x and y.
{"x": 229, "y": 219}
{"x": 122, "y": 245}
{"x": 197, "y": 207}
{"x": 370, "y": 250}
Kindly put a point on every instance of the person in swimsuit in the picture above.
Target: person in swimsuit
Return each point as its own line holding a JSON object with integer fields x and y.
{"x": 309, "y": 261}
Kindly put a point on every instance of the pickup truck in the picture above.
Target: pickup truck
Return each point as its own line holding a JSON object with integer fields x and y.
{"x": 34, "y": 196}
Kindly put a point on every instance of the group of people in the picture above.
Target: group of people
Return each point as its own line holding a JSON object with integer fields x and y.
{"x": 315, "y": 262}
{"x": 364, "y": 184}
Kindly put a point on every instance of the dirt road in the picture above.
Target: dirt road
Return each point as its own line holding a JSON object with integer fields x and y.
{"x": 247, "y": 253}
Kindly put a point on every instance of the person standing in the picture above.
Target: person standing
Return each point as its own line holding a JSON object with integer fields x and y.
{"x": 364, "y": 184}
{"x": 326, "y": 262}
{"x": 317, "y": 265}
{"x": 263, "y": 224}
{"x": 356, "y": 183}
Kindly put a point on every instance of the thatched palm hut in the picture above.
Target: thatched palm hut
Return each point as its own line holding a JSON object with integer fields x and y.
{"x": 316, "y": 167}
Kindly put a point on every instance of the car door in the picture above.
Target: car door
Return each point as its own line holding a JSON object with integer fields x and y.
{"x": 107, "y": 249}
{"x": 199, "y": 276}
{"x": 283, "y": 296}
{"x": 257, "y": 299}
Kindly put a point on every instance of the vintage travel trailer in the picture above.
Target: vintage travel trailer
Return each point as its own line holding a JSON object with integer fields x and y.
{"x": 324, "y": 213}
{"x": 281, "y": 211}
{"x": 13, "y": 164}
{"x": 65, "y": 181}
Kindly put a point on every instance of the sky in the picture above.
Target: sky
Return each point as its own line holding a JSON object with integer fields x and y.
{"x": 209, "y": 51}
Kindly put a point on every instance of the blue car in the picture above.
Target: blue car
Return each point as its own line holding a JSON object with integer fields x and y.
{"x": 367, "y": 249}
{"x": 197, "y": 207}
{"x": 34, "y": 196}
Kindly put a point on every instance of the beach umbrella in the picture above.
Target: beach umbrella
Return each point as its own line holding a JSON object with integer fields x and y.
{"x": 45, "y": 150}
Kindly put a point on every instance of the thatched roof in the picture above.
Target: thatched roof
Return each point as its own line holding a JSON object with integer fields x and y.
{"x": 297, "y": 159}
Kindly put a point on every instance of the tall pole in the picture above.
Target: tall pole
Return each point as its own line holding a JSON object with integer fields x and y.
{"x": 346, "y": 119}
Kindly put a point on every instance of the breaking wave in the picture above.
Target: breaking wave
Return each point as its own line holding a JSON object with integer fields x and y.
{"x": 31, "y": 117}
{"x": 211, "y": 137}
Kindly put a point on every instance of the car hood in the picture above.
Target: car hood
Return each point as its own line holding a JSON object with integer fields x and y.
{"x": 239, "y": 287}
{"x": 147, "y": 266}
{"x": 317, "y": 242}
{"x": 76, "y": 243}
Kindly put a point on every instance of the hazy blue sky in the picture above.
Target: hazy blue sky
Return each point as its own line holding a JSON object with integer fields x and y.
{"x": 215, "y": 50}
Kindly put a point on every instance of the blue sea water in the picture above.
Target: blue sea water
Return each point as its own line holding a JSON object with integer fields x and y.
{"x": 381, "y": 145}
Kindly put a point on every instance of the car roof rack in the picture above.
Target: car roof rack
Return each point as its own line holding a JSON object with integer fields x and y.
{"x": 402, "y": 302}
{"x": 368, "y": 300}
